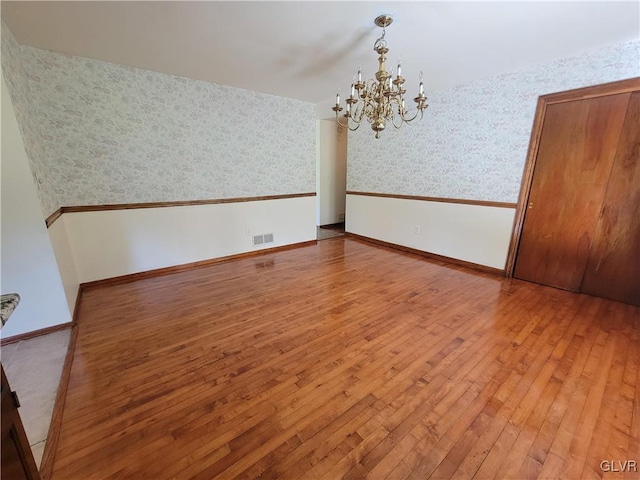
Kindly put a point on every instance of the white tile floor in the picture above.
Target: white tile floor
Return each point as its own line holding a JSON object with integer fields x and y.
{"x": 324, "y": 233}
{"x": 34, "y": 368}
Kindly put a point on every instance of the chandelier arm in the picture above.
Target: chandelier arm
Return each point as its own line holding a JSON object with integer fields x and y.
{"x": 351, "y": 126}
{"x": 340, "y": 123}
{"x": 353, "y": 122}
{"x": 347, "y": 125}
{"x": 409, "y": 120}
{"x": 393, "y": 121}
{"x": 366, "y": 110}
{"x": 372, "y": 115}
{"x": 357, "y": 115}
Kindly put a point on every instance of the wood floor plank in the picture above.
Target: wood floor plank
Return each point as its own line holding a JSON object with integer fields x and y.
{"x": 532, "y": 407}
{"x": 442, "y": 451}
{"x": 348, "y": 360}
{"x": 400, "y": 430}
{"x": 505, "y": 405}
{"x": 603, "y": 420}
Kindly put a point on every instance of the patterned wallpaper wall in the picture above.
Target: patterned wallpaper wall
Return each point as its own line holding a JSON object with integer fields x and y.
{"x": 15, "y": 76}
{"x": 473, "y": 141}
{"x": 115, "y": 134}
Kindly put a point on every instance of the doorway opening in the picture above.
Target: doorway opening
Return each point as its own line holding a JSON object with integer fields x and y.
{"x": 331, "y": 174}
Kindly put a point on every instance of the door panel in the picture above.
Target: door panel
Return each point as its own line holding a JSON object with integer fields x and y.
{"x": 613, "y": 269}
{"x": 576, "y": 152}
{"x": 17, "y": 459}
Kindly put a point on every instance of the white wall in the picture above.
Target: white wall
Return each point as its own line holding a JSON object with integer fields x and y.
{"x": 64, "y": 258}
{"x": 332, "y": 148}
{"x": 111, "y": 243}
{"x": 28, "y": 263}
{"x": 318, "y": 172}
{"x": 24, "y": 106}
{"x": 471, "y": 233}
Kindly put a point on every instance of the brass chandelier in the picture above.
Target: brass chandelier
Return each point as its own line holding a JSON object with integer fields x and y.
{"x": 380, "y": 101}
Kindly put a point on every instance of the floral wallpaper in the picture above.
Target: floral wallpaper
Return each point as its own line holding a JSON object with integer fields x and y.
{"x": 15, "y": 76}
{"x": 473, "y": 140}
{"x": 115, "y": 134}
{"x": 98, "y": 133}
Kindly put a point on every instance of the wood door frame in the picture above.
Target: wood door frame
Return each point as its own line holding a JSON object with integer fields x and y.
{"x": 622, "y": 86}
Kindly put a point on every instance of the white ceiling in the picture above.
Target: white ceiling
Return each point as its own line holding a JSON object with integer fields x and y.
{"x": 306, "y": 50}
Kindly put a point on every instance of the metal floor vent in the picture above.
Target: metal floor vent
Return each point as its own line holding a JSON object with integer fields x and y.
{"x": 262, "y": 239}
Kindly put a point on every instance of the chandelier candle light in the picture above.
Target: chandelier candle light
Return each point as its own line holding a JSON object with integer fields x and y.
{"x": 380, "y": 100}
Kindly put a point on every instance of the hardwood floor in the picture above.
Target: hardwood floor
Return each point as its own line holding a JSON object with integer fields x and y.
{"x": 348, "y": 360}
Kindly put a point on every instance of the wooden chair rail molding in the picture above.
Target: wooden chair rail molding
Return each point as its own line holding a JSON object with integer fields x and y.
{"x": 482, "y": 203}
{"x": 613, "y": 88}
{"x": 181, "y": 203}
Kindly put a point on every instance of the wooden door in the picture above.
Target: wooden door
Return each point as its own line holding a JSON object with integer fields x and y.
{"x": 575, "y": 157}
{"x": 17, "y": 459}
{"x": 613, "y": 269}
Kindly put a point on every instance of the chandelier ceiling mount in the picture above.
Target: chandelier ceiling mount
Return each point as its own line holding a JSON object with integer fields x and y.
{"x": 383, "y": 21}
